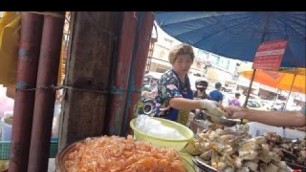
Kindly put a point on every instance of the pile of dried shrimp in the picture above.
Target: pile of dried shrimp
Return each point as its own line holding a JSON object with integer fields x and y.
{"x": 115, "y": 154}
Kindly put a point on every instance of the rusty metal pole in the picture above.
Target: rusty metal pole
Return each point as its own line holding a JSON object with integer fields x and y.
{"x": 122, "y": 72}
{"x": 145, "y": 26}
{"x": 249, "y": 89}
{"x": 268, "y": 17}
{"x": 45, "y": 94}
{"x": 30, "y": 39}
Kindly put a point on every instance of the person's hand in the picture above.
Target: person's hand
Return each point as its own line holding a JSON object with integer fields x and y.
{"x": 212, "y": 107}
{"x": 235, "y": 112}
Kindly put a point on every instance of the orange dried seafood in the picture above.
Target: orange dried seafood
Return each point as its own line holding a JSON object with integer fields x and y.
{"x": 116, "y": 154}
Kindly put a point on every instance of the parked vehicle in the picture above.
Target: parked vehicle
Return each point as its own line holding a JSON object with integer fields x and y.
{"x": 293, "y": 107}
{"x": 255, "y": 104}
{"x": 150, "y": 80}
{"x": 227, "y": 90}
{"x": 266, "y": 103}
{"x": 278, "y": 106}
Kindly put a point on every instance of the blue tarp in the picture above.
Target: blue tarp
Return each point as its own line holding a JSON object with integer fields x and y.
{"x": 238, "y": 34}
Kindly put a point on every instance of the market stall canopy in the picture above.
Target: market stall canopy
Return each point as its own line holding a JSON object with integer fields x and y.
{"x": 283, "y": 80}
{"x": 238, "y": 34}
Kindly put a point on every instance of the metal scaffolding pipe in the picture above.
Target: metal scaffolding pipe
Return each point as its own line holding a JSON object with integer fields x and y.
{"x": 145, "y": 26}
{"x": 30, "y": 39}
{"x": 45, "y": 93}
{"x": 122, "y": 72}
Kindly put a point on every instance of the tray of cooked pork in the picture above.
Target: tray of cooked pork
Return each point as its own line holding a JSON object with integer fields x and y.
{"x": 227, "y": 150}
{"x": 293, "y": 151}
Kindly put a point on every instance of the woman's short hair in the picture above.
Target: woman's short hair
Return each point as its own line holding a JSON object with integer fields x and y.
{"x": 180, "y": 49}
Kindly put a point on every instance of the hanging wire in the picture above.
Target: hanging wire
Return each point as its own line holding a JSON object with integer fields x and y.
{"x": 58, "y": 87}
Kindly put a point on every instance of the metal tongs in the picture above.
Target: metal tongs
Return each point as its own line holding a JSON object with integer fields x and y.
{"x": 221, "y": 120}
{"x": 202, "y": 165}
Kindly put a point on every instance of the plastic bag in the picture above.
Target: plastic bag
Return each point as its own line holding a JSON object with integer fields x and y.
{"x": 10, "y": 25}
{"x": 155, "y": 128}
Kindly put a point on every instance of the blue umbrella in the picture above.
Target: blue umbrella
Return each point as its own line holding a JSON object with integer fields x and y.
{"x": 238, "y": 34}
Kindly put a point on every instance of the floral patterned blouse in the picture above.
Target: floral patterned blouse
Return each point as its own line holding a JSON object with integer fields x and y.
{"x": 169, "y": 87}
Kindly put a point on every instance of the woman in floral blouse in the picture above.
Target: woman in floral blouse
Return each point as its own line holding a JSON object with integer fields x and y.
{"x": 175, "y": 97}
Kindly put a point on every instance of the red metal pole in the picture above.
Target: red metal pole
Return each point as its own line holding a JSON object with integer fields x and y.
{"x": 45, "y": 94}
{"x": 30, "y": 39}
{"x": 120, "y": 86}
{"x": 138, "y": 68}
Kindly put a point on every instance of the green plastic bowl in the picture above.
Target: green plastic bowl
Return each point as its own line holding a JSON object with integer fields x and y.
{"x": 177, "y": 144}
